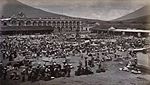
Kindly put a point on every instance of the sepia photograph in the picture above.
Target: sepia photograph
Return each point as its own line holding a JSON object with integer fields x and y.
{"x": 74, "y": 42}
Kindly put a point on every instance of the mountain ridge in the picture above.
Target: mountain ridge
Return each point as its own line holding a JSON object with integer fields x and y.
{"x": 14, "y": 7}
{"x": 144, "y": 11}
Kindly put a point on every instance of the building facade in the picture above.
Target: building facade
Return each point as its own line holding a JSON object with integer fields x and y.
{"x": 24, "y": 25}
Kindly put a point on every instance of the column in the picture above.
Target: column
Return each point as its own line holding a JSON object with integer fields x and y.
{"x": 25, "y": 23}
{"x": 31, "y": 23}
{"x": 123, "y": 33}
{"x": 17, "y": 23}
{"x": 42, "y": 23}
{"x": 139, "y": 34}
{"x": 47, "y": 23}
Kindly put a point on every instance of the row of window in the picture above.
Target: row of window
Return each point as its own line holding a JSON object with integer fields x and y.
{"x": 28, "y": 23}
{"x": 50, "y": 22}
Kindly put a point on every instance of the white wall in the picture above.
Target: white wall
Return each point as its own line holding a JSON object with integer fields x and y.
{"x": 143, "y": 59}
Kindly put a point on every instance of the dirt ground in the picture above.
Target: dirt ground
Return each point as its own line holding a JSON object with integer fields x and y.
{"x": 111, "y": 77}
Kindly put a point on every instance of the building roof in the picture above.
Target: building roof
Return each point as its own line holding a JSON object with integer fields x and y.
{"x": 131, "y": 30}
{"x": 122, "y": 30}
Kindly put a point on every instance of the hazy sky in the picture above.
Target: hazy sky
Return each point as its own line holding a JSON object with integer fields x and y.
{"x": 93, "y": 9}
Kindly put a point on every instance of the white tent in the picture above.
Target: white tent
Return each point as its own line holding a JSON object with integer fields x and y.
{"x": 111, "y": 28}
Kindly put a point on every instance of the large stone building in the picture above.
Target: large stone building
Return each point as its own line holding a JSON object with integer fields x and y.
{"x": 23, "y": 25}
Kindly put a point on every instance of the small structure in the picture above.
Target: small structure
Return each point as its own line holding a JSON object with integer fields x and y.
{"x": 143, "y": 60}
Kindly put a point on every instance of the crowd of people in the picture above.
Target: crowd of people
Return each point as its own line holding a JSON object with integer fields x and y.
{"x": 28, "y": 47}
{"x": 25, "y": 71}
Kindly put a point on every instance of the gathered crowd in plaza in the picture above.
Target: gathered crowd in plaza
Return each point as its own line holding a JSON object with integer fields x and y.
{"x": 46, "y": 57}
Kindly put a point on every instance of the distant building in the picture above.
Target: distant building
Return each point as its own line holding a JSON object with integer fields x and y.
{"x": 115, "y": 31}
{"x": 21, "y": 24}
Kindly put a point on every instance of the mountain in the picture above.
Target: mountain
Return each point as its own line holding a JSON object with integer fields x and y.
{"x": 141, "y": 23}
{"x": 142, "y": 19}
{"x": 144, "y": 11}
{"x": 138, "y": 19}
{"x": 11, "y": 7}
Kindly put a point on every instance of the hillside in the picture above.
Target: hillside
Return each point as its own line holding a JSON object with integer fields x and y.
{"x": 144, "y": 11}
{"x": 12, "y": 7}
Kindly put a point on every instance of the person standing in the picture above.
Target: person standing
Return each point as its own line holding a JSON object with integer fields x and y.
{"x": 23, "y": 75}
{"x": 68, "y": 70}
{"x": 86, "y": 62}
{"x": 4, "y": 73}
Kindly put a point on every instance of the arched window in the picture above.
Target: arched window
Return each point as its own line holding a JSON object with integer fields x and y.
{"x": 58, "y": 22}
{"x": 21, "y": 23}
{"x": 49, "y": 23}
{"x": 40, "y": 23}
{"x": 44, "y": 23}
{"x": 62, "y": 23}
{"x": 53, "y": 23}
{"x": 28, "y": 23}
{"x": 71, "y": 28}
{"x": 59, "y": 29}
{"x": 66, "y": 23}
{"x": 74, "y": 22}
{"x": 14, "y": 22}
{"x": 35, "y": 23}
{"x": 70, "y": 22}
{"x": 78, "y": 23}
{"x": 4, "y": 23}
